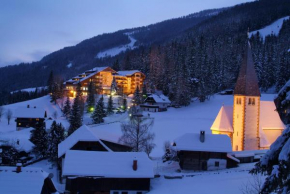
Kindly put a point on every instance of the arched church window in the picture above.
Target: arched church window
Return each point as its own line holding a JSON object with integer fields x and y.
{"x": 253, "y": 101}
{"x": 250, "y": 101}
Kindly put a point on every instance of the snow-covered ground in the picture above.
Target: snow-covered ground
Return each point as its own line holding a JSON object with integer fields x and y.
{"x": 117, "y": 50}
{"x": 273, "y": 28}
{"x": 167, "y": 126}
{"x": 9, "y": 133}
{"x": 178, "y": 121}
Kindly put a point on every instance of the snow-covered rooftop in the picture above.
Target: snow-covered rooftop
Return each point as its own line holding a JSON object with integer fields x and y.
{"x": 212, "y": 143}
{"x": 81, "y": 134}
{"x": 160, "y": 98}
{"x": 127, "y": 73}
{"x": 24, "y": 112}
{"x": 107, "y": 164}
{"x": 224, "y": 120}
{"x": 29, "y": 180}
{"x": 269, "y": 117}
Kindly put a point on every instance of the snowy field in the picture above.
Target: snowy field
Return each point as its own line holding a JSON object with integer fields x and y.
{"x": 167, "y": 127}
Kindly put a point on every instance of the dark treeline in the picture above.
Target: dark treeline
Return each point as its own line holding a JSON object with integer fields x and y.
{"x": 20, "y": 96}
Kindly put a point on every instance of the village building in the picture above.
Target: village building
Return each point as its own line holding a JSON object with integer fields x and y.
{"x": 14, "y": 180}
{"x": 86, "y": 139}
{"x": 29, "y": 116}
{"x": 102, "y": 77}
{"x": 250, "y": 123}
{"x": 107, "y": 172}
{"x": 204, "y": 152}
{"x": 156, "y": 103}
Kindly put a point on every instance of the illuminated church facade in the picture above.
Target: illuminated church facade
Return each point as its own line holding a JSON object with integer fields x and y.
{"x": 251, "y": 124}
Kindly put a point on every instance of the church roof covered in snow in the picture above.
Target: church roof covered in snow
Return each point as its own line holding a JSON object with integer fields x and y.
{"x": 269, "y": 117}
{"x": 247, "y": 82}
{"x": 107, "y": 164}
{"x": 29, "y": 180}
{"x": 212, "y": 143}
{"x": 224, "y": 120}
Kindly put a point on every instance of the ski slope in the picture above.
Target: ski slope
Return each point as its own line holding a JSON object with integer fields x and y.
{"x": 273, "y": 28}
{"x": 117, "y": 50}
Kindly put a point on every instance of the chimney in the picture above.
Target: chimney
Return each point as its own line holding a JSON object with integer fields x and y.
{"x": 202, "y": 136}
{"x": 18, "y": 167}
{"x": 135, "y": 166}
{"x": 28, "y": 106}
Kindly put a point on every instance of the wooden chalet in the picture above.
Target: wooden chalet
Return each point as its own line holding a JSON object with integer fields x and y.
{"x": 25, "y": 180}
{"x": 102, "y": 77}
{"x": 86, "y": 139}
{"x": 107, "y": 172}
{"x": 29, "y": 117}
{"x": 156, "y": 103}
{"x": 204, "y": 152}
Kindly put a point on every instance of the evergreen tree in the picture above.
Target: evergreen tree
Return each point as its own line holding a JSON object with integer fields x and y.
{"x": 124, "y": 104}
{"x": 75, "y": 119}
{"x": 55, "y": 136}
{"x": 144, "y": 93}
{"x": 91, "y": 98}
{"x": 110, "y": 106}
{"x": 276, "y": 164}
{"x": 116, "y": 65}
{"x": 137, "y": 98}
{"x": 67, "y": 108}
{"x": 114, "y": 86}
{"x": 50, "y": 82}
{"x": 99, "y": 113}
{"x": 39, "y": 138}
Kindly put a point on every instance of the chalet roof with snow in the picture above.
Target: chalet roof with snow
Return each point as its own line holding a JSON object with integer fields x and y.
{"x": 224, "y": 120}
{"x": 212, "y": 143}
{"x": 158, "y": 98}
{"x": 107, "y": 164}
{"x": 24, "y": 112}
{"x": 127, "y": 73}
{"x": 29, "y": 180}
{"x": 247, "y": 82}
{"x": 86, "y": 134}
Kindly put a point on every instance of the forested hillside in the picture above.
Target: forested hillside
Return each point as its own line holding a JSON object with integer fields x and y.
{"x": 196, "y": 55}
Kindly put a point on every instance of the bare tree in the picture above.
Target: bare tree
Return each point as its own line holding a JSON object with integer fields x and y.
{"x": 9, "y": 115}
{"x": 254, "y": 185}
{"x": 136, "y": 133}
{"x": 1, "y": 112}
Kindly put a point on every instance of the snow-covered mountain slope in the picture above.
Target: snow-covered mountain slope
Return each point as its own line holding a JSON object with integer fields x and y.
{"x": 273, "y": 28}
{"x": 117, "y": 50}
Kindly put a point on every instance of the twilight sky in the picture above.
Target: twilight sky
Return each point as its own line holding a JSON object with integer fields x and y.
{"x": 32, "y": 29}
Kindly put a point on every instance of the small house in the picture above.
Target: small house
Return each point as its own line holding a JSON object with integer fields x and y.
{"x": 107, "y": 172}
{"x": 29, "y": 117}
{"x": 204, "y": 152}
{"x": 30, "y": 180}
{"x": 87, "y": 139}
{"x": 156, "y": 103}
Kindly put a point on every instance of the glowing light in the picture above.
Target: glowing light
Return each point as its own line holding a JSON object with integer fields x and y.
{"x": 130, "y": 115}
{"x": 92, "y": 109}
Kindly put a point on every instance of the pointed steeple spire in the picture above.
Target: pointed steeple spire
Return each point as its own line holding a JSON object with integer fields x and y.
{"x": 247, "y": 82}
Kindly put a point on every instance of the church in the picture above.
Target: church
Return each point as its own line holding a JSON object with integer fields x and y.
{"x": 251, "y": 124}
